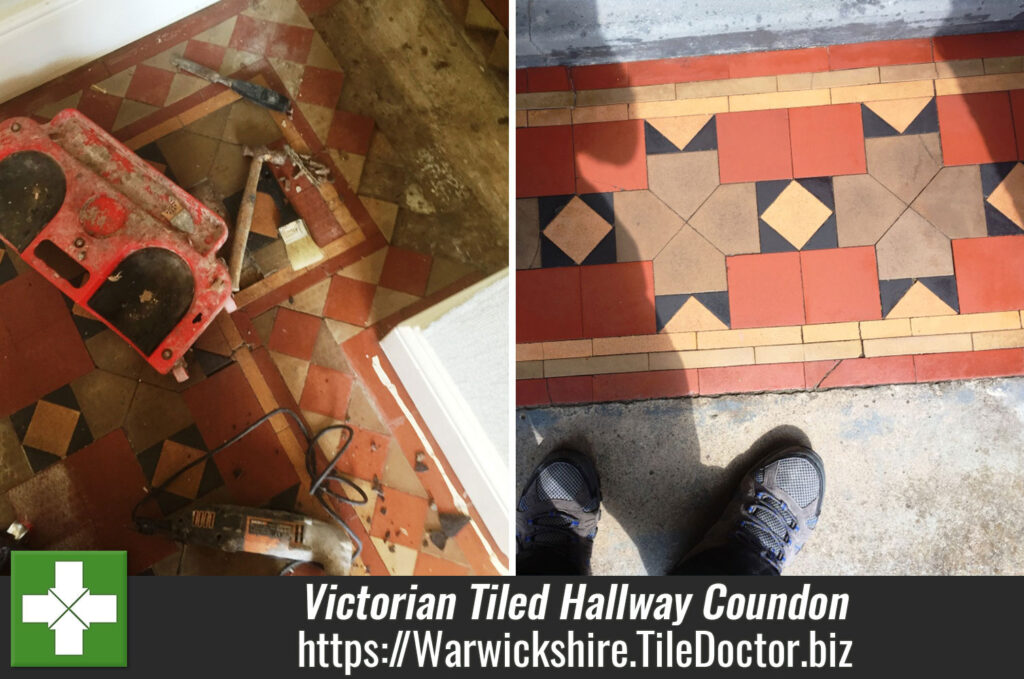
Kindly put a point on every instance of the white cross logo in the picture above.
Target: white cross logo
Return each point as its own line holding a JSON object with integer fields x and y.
{"x": 68, "y": 608}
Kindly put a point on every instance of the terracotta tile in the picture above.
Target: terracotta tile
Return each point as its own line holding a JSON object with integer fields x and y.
{"x": 205, "y": 53}
{"x": 294, "y": 333}
{"x": 656, "y": 71}
{"x": 952, "y": 202}
{"x": 765, "y": 290}
{"x": 754, "y": 146}
{"x": 610, "y": 156}
{"x": 643, "y": 225}
{"x": 100, "y": 108}
{"x": 577, "y": 389}
{"x": 989, "y": 275}
{"x": 1017, "y": 103}
{"x": 546, "y": 78}
{"x": 350, "y": 132}
{"x": 41, "y": 345}
{"x": 576, "y": 231}
{"x": 881, "y": 53}
{"x": 865, "y": 209}
{"x": 388, "y": 304}
{"x": 728, "y": 219}
{"x": 271, "y": 39}
{"x": 149, "y": 85}
{"x": 969, "y": 364}
{"x": 840, "y": 285}
{"x": 856, "y": 372}
{"x": 913, "y": 248}
{"x": 320, "y": 86}
{"x": 815, "y": 372}
{"x": 527, "y": 234}
{"x": 399, "y": 518}
{"x": 748, "y": 378}
{"x": 326, "y": 391}
{"x": 222, "y": 405}
{"x": 406, "y": 271}
{"x": 645, "y": 385}
{"x": 599, "y": 76}
{"x": 904, "y": 165}
{"x": 544, "y": 161}
{"x": 364, "y": 458}
{"x": 683, "y": 181}
{"x": 531, "y": 393}
{"x": 724, "y": 88}
{"x": 349, "y": 300}
{"x": 976, "y": 128}
{"x": 778, "y": 62}
{"x": 432, "y": 565}
{"x": 548, "y": 305}
{"x": 688, "y": 264}
{"x": 949, "y": 47}
{"x": 827, "y": 140}
{"x": 617, "y": 299}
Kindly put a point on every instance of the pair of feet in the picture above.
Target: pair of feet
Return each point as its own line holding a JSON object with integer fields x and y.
{"x": 771, "y": 516}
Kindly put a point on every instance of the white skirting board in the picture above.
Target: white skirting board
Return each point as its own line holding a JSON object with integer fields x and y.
{"x": 453, "y": 360}
{"x": 43, "y": 39}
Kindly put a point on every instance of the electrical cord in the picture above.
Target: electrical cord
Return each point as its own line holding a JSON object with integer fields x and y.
{"x": 318, "y": 488}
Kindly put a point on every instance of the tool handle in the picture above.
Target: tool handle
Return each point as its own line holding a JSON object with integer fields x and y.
{"x": 262, "y": 96}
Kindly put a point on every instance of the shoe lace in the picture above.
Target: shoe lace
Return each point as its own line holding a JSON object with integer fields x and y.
{"x": 764, "y": 516}
{"x": 552, "y": 527}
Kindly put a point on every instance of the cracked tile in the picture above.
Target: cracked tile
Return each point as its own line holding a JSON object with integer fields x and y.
{"x": 913, "y": 248}
{"x": 904, "y": 165}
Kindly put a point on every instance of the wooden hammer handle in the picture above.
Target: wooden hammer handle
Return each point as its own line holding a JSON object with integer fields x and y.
{"x": 244, "y": 224}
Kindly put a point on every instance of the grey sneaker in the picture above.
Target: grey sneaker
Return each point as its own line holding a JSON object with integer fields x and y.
{"x": 557, "y": 514}
{"x": 775, "y": 509}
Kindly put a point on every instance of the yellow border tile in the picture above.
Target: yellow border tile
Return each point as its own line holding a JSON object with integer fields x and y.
{"x": 674, "y": 341}
{"x": 680, "y": 107}
{"x": 626, "y": 95}
{"x": 544, "y": 117}
{"x": 728, "y": 339}
{"x": 999, "y": 339}
{"x": 567, "y": 349}
{"x": 772, "y": 100}
{"x": 529, "y": 370}
{"x": 596, "y": 365}
{"x": 924, "y": 344}
{"x": 891, "y": 327}
{"x": 944, "y": 325}
{"x": 710, "y": 358}
{"x": 600, "y": 114}
{"x": 831, "y": 332}
{"x": 530, "y": 352}
{"x": 882, "y": 92}
{"x": 980, "y": 83}
{"x": 531, "y": 100}
{"x": 724, "y": 88}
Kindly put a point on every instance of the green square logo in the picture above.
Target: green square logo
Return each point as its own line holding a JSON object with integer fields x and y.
{"x": 69, "y": 609}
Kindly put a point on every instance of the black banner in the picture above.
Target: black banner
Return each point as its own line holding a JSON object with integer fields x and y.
{"x": 383, "y": 627}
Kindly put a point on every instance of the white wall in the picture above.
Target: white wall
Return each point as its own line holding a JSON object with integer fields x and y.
{"x": 43, "y": 39}
{"x": 453, "y": 359}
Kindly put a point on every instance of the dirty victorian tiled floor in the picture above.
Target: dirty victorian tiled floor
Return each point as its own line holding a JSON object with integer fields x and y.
{"x": 835, "y": 216}
{"x": 86, "y": 425}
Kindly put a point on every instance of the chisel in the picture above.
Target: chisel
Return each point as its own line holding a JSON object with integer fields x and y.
{"x": 251, "y": 91}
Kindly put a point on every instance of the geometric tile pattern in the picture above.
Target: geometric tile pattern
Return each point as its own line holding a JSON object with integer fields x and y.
{"x": 806, "y": 226}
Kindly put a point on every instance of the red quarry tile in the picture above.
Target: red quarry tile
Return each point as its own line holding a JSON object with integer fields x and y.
{"x": 618, "y": 299}
{"x": 100, "y": 108}
{"x": 989, "y": 275}
{"x": 600, "y": 76}
{"x": 350, "y": 132}
{"x": 532, "y": 393}
{"x": 222, "y": 405}
{"x": 746, "y": 378}
{"x": 406, "y": 271}
{"x": 314, "y": 7}
{"x": 815, "y": 371}
{"x": 754, "y": 146}
{"x": 610, "y": 156}
{"x": 271, "y": 39}
{"x": 364, "y": 458}
{"x": 977, "y": 46}
{"x": 548, "y": 305}
{"x": 976, "y": 128}
{"x": 856, "y": 372}
{"x": 149, "y": 85}
{"x": 827, "y": 140}
{"x": 965, "y": 365}
{"x": 256, "y": 468}
{"x": 326, "y": 391}
{"x": 765, "y": 290}
{"x": 205, "y": 53}
{"x": 428, "y": 564}
{"x": 349, "y": 300}
{"x": 644, "y": 385}
{"x": 320, "y": 86}
{"x": 578, "y": 389}
{"x": 522, "y": 84}
{"x": 544, "y": 163}
{"x": 683, "y": 69}
{"x": 547, "y": 79}
{"x": 840, "y": 285}
{"x": 1017, "y": 104}
{"x": 399, "y": 518}
{"x": 40, "y": 348}
{"x": 294, "y": 333}
{"x": 778, "y": 62}
{"x": 881, "y": 53}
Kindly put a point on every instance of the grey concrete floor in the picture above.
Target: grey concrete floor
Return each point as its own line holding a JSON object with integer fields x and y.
{"x": 921, "y": 479}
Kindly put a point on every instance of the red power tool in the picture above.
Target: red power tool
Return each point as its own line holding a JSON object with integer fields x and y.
{"x": 113, "y": 234}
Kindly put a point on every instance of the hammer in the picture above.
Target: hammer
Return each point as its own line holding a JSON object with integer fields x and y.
{"x": 259, "y": 155}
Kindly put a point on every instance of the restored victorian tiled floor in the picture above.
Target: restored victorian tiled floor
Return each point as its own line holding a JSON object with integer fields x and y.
{"x": 86, "y": 425}
{"x": 803, "y": 219}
